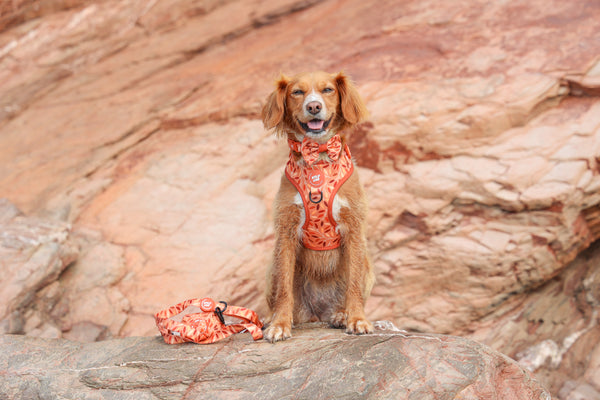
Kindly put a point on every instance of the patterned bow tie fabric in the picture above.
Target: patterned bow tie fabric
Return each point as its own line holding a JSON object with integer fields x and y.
{"x": 310, "y": 149}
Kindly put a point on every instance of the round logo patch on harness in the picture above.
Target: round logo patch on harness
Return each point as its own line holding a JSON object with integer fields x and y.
{"x": 207, "y": 304}
{"x": 316, "y": 178}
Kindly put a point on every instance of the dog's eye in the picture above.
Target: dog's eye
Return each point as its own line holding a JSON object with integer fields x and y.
{"x": 327, "y": 90}
{"x": 298, "y": 92}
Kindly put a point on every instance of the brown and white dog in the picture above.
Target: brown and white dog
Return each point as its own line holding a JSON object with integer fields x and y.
{"x": 321, "y": 268}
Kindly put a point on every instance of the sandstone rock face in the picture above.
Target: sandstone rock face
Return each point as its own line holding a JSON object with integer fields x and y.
{"x": 554, "y": 331}
{"x": 137, "y": 123}
{"x": 15, "y": 12}
{"x": 316, "y": 364}
{"x": 33, "y": 253}
{"x": 50, "y": 288}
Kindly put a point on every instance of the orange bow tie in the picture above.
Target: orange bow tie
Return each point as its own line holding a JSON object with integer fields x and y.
{"x": 310, "y": 149}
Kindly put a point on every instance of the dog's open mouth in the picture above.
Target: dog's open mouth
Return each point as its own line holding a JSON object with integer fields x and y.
{"x": 315, "y": 125}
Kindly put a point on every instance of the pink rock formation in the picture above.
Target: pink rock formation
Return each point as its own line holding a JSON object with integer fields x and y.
{"x": 137, "y": 122}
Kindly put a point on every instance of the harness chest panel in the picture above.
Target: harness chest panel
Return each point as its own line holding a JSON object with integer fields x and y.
{"x": 318, "y": 185}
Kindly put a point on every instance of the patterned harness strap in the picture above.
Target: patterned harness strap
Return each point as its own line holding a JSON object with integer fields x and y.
{"x": 317, "y": 182}
{"x": 207, "y": 326}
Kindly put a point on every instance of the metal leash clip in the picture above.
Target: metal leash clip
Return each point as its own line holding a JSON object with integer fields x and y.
{"x": 219, "y": 312}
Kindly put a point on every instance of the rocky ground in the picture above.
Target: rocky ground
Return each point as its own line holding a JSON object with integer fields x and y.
{"x": 316, "y": 364}
{"x": 130, "y": 133}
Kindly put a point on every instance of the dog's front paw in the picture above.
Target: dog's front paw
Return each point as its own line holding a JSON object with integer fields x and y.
{"x": 278, "y": 331}
{"x": 358, "y": 326}
{"x": 338, "y": 320}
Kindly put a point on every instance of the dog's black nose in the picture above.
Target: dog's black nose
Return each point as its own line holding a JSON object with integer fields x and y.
{"x": 314, "y": 107}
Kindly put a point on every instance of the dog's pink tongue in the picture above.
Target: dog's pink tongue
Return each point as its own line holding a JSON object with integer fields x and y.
{"x": 316, "y": 124}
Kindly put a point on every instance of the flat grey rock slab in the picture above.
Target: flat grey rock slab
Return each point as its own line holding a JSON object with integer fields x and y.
{"x": 316, "y": 363}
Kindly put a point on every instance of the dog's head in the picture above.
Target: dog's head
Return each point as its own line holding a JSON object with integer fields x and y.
{"x": 315, "y": 104}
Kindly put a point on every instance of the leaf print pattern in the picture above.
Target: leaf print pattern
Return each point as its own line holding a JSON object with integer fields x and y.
{"x": 319, "y": 229}
{"x": 310, "y": 149}
{"x": 204, "y": 327}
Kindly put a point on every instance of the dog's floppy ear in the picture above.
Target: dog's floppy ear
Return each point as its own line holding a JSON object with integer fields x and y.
{"x": 353, "y": 108}
{"x": 273, "y": 110}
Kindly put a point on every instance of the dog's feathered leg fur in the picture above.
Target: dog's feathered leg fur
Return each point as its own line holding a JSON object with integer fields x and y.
{"x": 355, "y": 262}
{"x": 281, "y": 294}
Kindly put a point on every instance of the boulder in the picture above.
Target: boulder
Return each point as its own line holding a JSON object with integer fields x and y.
{"x": 33, "y": 254}
{"x": 317, "y": 363}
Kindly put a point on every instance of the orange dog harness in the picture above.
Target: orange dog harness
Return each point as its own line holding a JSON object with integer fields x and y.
{"x": 207, "y": 326}
{"x": 318, "y": 182}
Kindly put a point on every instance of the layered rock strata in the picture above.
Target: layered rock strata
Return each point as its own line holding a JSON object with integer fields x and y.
{"x": 137, "y": 123}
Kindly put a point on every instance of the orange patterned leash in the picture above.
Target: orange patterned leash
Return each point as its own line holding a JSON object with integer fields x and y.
{"x": 207, "y": 326}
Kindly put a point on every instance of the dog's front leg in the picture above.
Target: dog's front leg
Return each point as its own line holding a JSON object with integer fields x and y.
{"x": 280, "y": 294}
{"x": 359, "y": 273}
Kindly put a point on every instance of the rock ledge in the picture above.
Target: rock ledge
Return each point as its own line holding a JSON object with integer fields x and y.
{"x": 317, "y": 363}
